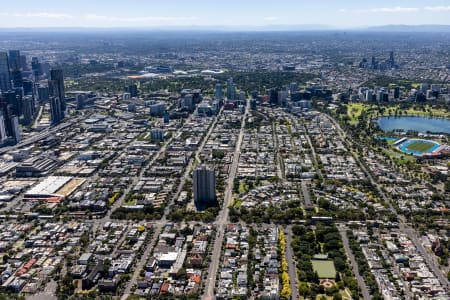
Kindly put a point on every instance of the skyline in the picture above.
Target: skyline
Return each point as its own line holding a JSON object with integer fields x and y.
{"x": 202, "y": 13}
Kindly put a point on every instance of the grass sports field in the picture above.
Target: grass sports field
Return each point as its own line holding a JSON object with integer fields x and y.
{"x": 420, "y": 146}
{"x": 325, "y": 268}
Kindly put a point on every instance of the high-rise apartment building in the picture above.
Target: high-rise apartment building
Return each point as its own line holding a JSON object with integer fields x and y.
{"x": 5, "y": 77}
{"x": 231, "y": 89}
{"x": 14, "y": 60}
{"x": 56, "y": 86}
{"x": 204, "y": 185}
{"x": 55, "y": 110}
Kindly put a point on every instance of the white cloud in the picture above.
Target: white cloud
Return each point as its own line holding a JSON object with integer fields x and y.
{"x": 271, "y": 18}
{"x": 43, "y": 15}
{"x": 437, "y": 8}
{"x": 147, "y": 19}
{"x": 397, "y": 9}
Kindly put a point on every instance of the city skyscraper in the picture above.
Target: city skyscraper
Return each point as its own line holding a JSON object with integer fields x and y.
{"x": 17, "y": 78}
{"x": 9, "y": 122}
{"x": 27, "y": 109}
{"x": 23, "y": 63}
{"x": 273, "y": 95}
{"x": 204, "y": 185}
{"x": 14, "y": 100}
{"x": 293, "y": 87}
{"x": 218, "y": 93}
{"x": 14, "y": 60}
{"x": 391, "y": 57}
{"x": 15, "y": 129}
{"x": 55, "y": 110}
{"x": 133, "y": 90}
{"x": 56, "y": 86}
{"x": 231, "y": 89}
{"x": 157, "y": 134}
{"x": 43, "y": 93}
{"x": 3, "y": 135}
{"x": 36, "y": 67}
{"x": 5, "y": 77}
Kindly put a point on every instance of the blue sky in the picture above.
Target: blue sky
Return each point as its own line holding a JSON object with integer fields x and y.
{"x": 147, "y": 13}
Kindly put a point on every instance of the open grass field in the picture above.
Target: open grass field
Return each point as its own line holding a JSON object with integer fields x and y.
{"x": 398, "y": 157}
{"x": 420, "y": 146}
{"x": 344, "y": 293}
{"x": 325, "y": 268}
{"x": 354, "y": 110}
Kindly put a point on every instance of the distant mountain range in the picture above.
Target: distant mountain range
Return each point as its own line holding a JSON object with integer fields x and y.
{"x": 410, "y": 28}
{"x": 245, "y": 28}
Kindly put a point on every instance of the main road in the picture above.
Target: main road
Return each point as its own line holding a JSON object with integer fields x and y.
{"x": 222, "y": 219}
{"x": 361, "y": 283}
{"x": 159, "y": 225}
{"x": 291, "y": 264}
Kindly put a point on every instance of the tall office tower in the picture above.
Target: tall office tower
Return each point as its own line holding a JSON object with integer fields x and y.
{"x": 188, "y": 102}
{"x": 28, "y": 109}
{"x": 368, "y": 95}
{"x": 231, "y": 89}
{"x": 204, "y": 185}
{"x": 253, "y": 104}
{"x": 12, "y": 99}
{"x": 374, "y": 63}
{"x": 14, "y": 60}
{"x": 7, "y": 112}
{"x": 166, "y": 117}
{"x": 242, "y": 96}
{"x": 218, "y": 93}
{"x": 36, "y": 67}
{"x": 293, "y": 87}
{"x": 28, "y": 88}
{"x": 391, "y": 58}
{"x": 55, "y": 110}
{"x": 23, "y": 63}
{"x": 43, "y": 93}
{"x": 282, "y": 97}
{"x": 15, "y": 128}
{"x": 3, "y": 135}
{"x": 424, "y": 87}
{"x": 157, "y": 134}
{"x": 56, "y": 86}
{"x": 396, "y": 92}
{"x": 133, "y": 90}
{"x": 80, "y": 100}
{"x": 5, "y": 77}
{"x": 436, "y": 87}
{"x": 17, "y": 78}
{"x": 45, "y": 68}
{"x": 273, "y": 96}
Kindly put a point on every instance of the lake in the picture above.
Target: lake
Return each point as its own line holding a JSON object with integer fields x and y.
{"x": 420, "y": 124}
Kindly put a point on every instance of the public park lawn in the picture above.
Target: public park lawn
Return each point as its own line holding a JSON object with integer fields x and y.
{"x": 325, "y": 268}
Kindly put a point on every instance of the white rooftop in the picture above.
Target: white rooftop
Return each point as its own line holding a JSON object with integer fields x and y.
{"x": 49, "y": 185}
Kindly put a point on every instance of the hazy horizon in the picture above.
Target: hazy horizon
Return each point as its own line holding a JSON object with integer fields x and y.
{"x": 237, "y": 28}
{"x": 349, "y": 14}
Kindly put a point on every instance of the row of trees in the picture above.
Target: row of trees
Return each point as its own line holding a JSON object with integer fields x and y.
{"x": 282, "y": 214}
{"x": 207, "y": 215}
{"x": 147, "y": 213}
{"x": 284, "y": 275}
